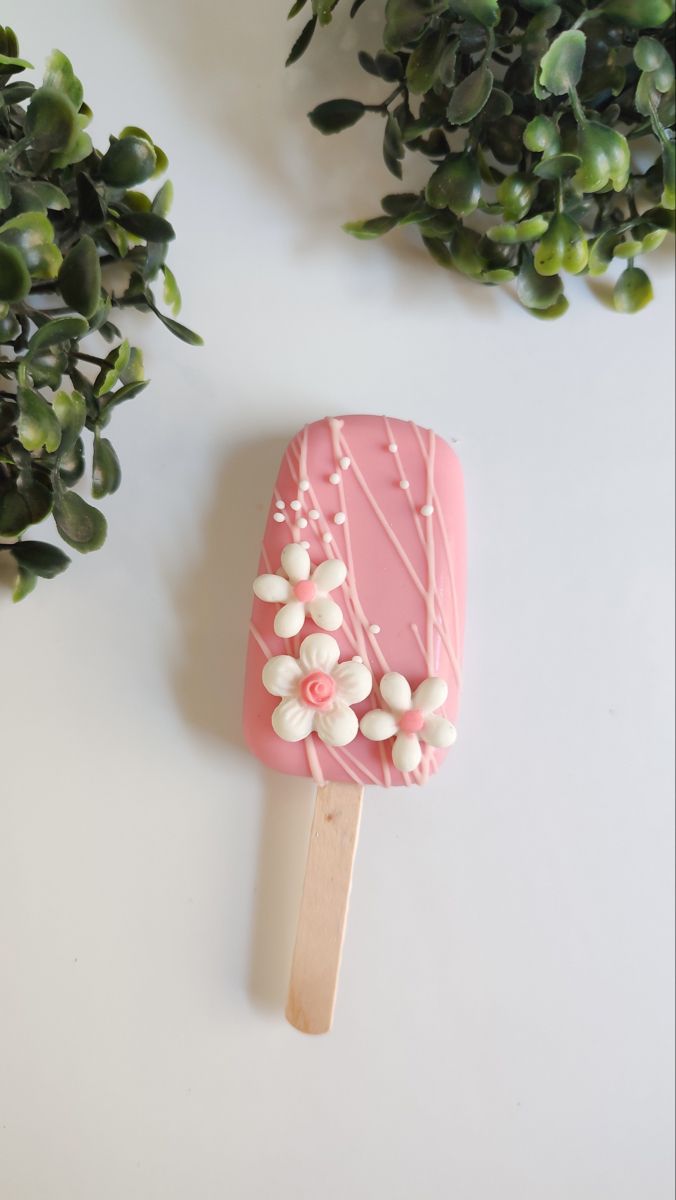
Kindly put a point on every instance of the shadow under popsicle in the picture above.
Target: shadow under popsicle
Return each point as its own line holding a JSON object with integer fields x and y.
{"x": 213, "y": 604}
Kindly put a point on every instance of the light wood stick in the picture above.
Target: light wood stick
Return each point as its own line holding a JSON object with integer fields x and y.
{"x": 323, "y": 908}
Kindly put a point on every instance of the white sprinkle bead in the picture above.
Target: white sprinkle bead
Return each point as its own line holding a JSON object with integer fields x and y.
{"x": 305, "y": 545}
{"x": 339, "y": 518}
{"x": 314, "y": 514}
{"x": 393, "y": 447}
{"x": 334, "y": 478}
{"x": 374, "y": 628}
{"x": 280, "y": 504}
{"x": 426, "y": 510}
{"x": 278, "y": 517}
{"x": 327, "y": 537}
{"x": 304, "y": 485}
{"x": 344, "y": 462}
{"x": 296, "y": 505}
{"x": 301, "y": 523}
{"x": 403, "y": 484}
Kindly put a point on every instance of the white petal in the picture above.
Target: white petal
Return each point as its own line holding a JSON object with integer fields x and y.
{"x": 338, "y": 726}
{"x": 296, "y": 562}
{"x": 430, "y": 695}
{"x": 319, "y": 652}
{"x": 378, "y": 725}
{"x": 329, "y": 575}
{"x": 406, "y": 752}
{"x": 396, "y": 692}
{"x": 272, "y": 588}
{"x": 281, "y": 675}
{"x": 354, "y": 681}
{"x": 437, "y": 731}
{"x": 290, "y": 619}
{"x": 325, "y": 613}
{"x": 292, "y": 720}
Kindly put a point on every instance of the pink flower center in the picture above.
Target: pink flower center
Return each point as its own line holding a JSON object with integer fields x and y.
{"x": 412, "y": 721}
{"x": 305, "y": 591}
{"x": 317, "y": 690}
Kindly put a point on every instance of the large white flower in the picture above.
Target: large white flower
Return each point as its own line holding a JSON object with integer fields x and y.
{"x": 303, "y": 591}
{"x": 317, "y": 691}
{"x": 409, "y": 719}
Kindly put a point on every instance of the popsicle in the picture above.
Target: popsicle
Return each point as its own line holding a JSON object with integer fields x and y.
{"x": 354, "y": 660}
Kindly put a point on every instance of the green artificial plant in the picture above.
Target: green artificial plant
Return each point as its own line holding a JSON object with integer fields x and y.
{"x": 77, "y": 242}
{"x": 548, "y": 129}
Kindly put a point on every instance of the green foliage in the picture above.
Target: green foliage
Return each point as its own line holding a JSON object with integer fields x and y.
{"x": 526, "y": 113}
{"x": 77, "y": 242}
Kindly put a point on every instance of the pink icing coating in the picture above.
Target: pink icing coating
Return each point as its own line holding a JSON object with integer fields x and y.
{"x": 406, "y": 579}
{"x": 317, "y": 690}
{"x": 412, "y": 721}
{"x": 305, "y": 591}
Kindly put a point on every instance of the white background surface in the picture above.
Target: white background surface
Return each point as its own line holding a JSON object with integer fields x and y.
{"x": 504, "y": 1026}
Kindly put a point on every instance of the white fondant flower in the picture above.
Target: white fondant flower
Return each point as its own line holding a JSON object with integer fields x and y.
{"x": 303, "y": 591}
{"x": 317, "y": 692}
{"x": 409, "y": 719}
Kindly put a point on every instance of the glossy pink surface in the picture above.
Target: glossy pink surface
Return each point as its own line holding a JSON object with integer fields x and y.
{"x": 404, "y": 596}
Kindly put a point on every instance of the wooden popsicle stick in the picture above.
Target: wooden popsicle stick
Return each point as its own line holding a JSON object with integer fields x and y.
{"x": 323, "y": 908}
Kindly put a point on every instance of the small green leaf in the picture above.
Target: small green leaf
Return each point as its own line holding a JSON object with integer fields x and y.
{"x": 53, "y": 333}
{"x": 20, "y": 63}
{"x": 542, "y": 134}
{"x": 668, "y": 197}
{"x": 106, "y": 471}
{"x": 117, "y": 360}
{"x": 486, "y": 12}
{"x": 639, "y": 14}
{"x": 164, "y": 198}
{"x": 51, "y": 120}
{"x": 15, "y": 281}
{"x": 180, "y": 331}
{"x": 516, "y": 194}
{"x": 128, "y": 162}
{"x": 80, "y": 277}
{"x": 559, "y": 166}
{"x": 375, "y": 227}
{"x": 537, "y": 291}
{"x": 302, "y": 42}
{"x": 147, "y": 225}
{"x": 336, "y": 115}
{"x": 523, "y": 231}
{"x": 37, "y": 425}
{"x": 561, "y": 66}
{"x": 26, "y": 583}
{"x": 422, "y": 65}
{"x": 40, "y": 558}
{"x": 455, "y": 185}
{"x": 470, "y": 96}
{"x": 602, "y": 250}
{"x": 606, "y": 158}
{"x": 71, "y": 413}
{"x": 80, "y": 525}
{"x": 172, "y": 294}
{"x": 60, "y": 76}
{"x": 633, "y": 291}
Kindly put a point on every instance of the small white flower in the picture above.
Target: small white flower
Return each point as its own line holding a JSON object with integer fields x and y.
{"x": 317, "y": 692}
{"x": 409, "y": 719}
{"x": 303, "y": 592}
